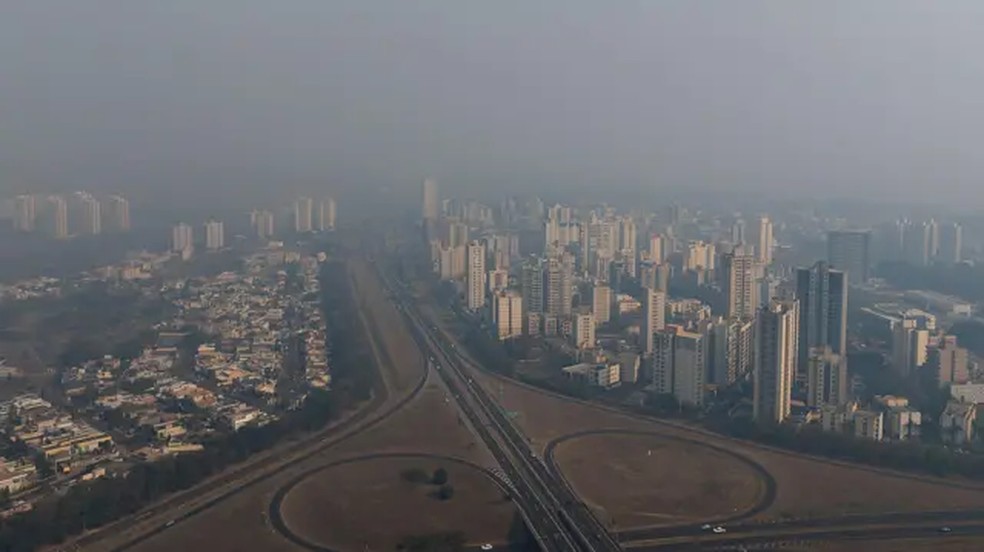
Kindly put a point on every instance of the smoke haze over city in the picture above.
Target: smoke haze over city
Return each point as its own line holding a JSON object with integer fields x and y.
{"x": 801, "y": 99}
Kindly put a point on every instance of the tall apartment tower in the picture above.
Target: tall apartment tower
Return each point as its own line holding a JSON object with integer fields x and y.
{"x": 738, "y": 232}
{"x": 951, "y": 243}
{"x": 741, "y": 289}
{"x": 507, "y": 314}
{"x": 91, "y": 215}
{"x": 826, "y": 377}
{"x": 431, "y": 201}
{"x": 776, "y": 352}
{"x": 25, "y": 213}
{"x": 531, "y": 282}
{"x": 303, "y": 212}
{"x": 325, "y": 221}
{"x": 917, "y": 243}
{"x": 119, "y": 213}
{"x": 680, "y": 364}
{"x": 653, "y": 317}
{"x": 765, "y": 241}
{"x": 601, "y": 303}
{"x": 475, "y": 276}
{"x": 182, "y": 237}
{"x": 731, "y": 349}
{"x": 214, "y": 235}
{"x": 263, "y": 222}
{"x": 58, "y": 208}
{"x": 822, "y": 295}
{"x": 558, "y": 285}
{"x": 848, "y": 251}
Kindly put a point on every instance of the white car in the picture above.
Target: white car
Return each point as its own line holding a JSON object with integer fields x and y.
{"x": 706, "y": 527}
{"x": 719, "y": 530}
{"x": 486, "y": 546}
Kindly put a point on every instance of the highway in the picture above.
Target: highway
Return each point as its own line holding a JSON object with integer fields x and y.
{"x": 558, "y": 520}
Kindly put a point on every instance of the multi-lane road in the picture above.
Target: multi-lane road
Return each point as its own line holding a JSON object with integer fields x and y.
{"x": 557, "y": 519}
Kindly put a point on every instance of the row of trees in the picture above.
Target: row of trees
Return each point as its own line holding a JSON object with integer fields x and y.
{"x": 89, "y": 505}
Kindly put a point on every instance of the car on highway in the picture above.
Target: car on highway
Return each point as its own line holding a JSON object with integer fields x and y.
{"x": 719, "y": 530}
{"x": 706, "y": 527}
{"x": 945, "y": 530}
{"x": 486, "y": 546}
{"x": 170, "y": 523}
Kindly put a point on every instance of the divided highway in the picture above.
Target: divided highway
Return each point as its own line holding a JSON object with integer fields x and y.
{"x": 557, "y": 518}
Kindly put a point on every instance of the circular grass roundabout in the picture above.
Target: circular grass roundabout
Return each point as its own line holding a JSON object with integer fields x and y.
{"x": 377, "y": 502}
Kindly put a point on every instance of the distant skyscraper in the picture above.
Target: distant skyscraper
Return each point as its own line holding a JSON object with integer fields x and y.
{"x": 182, "y": 237}
{"x": 432, "y": 201}
{"x": 558, "y": 285}
{"x": 475, "y": 280}
{"x": 657, "y": 253}
{"x": 847, "y": 250}
{"x": 507, "y": 314}
{"x": 91, "y": 215}
{"x": 680, "y": 364}
{"x": 731, "y": 349}
{"x": 738, "y": 232}
{"x": 531, "y": 282}
{"x": 765, "y": 241}
{"x": 653, "y": 316}
{"x": 119, "y": 213}
{"x": 741, "y": 288}
{"x": 826, "y": 377}
{"x": 25, "y": 213}
{"x": 214, "y": 235}
{"x": 822, "y": 295}
{"x": 263, "y": 222}
{"x": 601, "y": 303}
{"x": 951, "y": 243}
{"x": 583, "y": 331}
{"x": 909, "y": 346}
{"x": 776, "y": 352}
{"x": 303, "y": 211}
{"x": 58, "y": 209}
{"x": 917, "y": 244}
{"x": 950, "y": 362}
{"x": 326, "y": 215}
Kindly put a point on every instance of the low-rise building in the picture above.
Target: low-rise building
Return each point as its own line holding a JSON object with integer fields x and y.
{"x": 869, "y": 424}
{"x": 598, "y": 375}
{"x": 957, "y": 423}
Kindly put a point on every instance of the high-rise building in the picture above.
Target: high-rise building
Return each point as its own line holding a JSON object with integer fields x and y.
{"x": 58, "y": 216}
{"x": 457, "y": 233}
{"x": 431, "y": 201}
{"x": 303, "y": 210}
{"x": 847, "y": 250}
{"x": 583, "y": 334}
{"x": 699, "y": 254}
{"x": 731, "y": 349}
{"x": 531, "y": 284}
{"x": 680, "y": 364}
{"x": 601, "y": 303}
{"x": 475, "y": 278}
{"x": 822, "y": 295}
{"x": 91, "y": 215}
{"x": 214, "y": 235}
{"x": 917, "y": 243}
{"x": 741, "y": 289}
{"x": 826, "y": 377}
{"x": 910, "y": 345}
{"x": 558, "y": 285}
{"x": 765, "y": 241}
{"x": 657, "y": 253}
{"x": 263, "y": 223}
{"x": 498, "y": 280}
{"x": 25, "y": 213}
{"x": 507, "y": 314}
{"x": 950, "y": 362}
{"x": 182, "y": 238}
{"x": 776, "y": 353}
{"x": 653, "y": 317}
{"x": 119, "y": 213}
{"x": 738, "y": 233}
{"x": 951, "y": 243}
{"x": 326, "y": 215}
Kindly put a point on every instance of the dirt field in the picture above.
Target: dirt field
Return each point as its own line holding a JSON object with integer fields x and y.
{"x": 368, "y": 505}
{"x": 654, "y": 481}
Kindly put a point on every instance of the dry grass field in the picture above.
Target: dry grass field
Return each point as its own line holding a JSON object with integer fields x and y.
{"x": 368, "y": 505}
{"x": 656, "y": 481}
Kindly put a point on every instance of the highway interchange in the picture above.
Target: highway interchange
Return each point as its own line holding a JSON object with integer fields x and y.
{"x": 556, "y": 517}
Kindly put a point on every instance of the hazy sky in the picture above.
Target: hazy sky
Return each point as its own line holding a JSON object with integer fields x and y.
{"x": 845, "y": 97}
